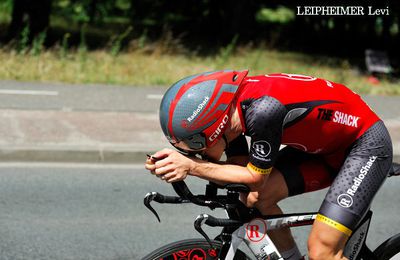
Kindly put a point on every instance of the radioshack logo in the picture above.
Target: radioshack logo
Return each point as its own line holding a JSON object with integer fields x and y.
{"x": 346, "y": 199}
{"x": 338, "y": 117}
{"x": 262, "y": 148}
{"x": 256, "y": 230}
{"x": 198, "y": 109}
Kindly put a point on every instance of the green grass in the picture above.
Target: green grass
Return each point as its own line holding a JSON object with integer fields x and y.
{"x": 157, "y": 65}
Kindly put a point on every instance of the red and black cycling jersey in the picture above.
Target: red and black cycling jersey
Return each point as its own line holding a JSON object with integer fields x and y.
{"x": 311, "y": 114}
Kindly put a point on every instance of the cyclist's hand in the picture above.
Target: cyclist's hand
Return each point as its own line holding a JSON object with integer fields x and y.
{"x": 173, "y": 167}
{"x": 150, "y": 165}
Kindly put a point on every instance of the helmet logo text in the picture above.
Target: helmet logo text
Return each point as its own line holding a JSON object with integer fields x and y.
{"x": 198, "y": 109}
{"x": 218, "y": 131}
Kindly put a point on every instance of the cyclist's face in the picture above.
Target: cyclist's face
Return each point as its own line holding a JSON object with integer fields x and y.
{"x": 215, "y": 152}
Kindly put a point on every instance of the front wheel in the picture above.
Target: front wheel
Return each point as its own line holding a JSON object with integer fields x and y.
{"x": 190, "y": 249}
{"x": 390, "y": 249}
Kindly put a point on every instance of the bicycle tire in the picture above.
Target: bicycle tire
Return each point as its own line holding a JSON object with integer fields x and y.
{"x": 190, "y": 249}
{"x": 388, "y": 249}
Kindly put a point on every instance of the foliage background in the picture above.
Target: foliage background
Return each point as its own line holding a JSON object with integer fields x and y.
{"x": 160, "y": 41}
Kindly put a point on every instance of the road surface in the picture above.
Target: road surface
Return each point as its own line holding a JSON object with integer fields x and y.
{"x": 66, "y": 211}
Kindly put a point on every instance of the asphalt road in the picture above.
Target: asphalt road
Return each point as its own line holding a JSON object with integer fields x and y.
{"x": 67, "y": 97}
{"x": 54, "y": 211}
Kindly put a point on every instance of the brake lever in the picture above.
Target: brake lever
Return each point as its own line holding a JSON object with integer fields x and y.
{"x": 147, "y": 200}
{"x": 200, "y": 220}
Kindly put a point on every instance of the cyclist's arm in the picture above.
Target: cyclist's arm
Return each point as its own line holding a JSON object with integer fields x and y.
{"x": 227, "y": 173}
{"x": 175, "y": 166}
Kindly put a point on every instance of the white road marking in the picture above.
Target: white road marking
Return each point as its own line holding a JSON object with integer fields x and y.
{"x": 71, "y": 165}
{"x": 154, "y": 96}
{"x": 28, "y": 92}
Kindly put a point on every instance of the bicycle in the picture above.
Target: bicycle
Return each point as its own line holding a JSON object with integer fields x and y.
{"x": 249, "y": 225}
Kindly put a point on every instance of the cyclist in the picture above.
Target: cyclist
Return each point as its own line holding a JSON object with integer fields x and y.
{"x": 331, "y": 137}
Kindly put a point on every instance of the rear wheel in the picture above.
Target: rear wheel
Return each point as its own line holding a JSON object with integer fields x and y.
{"x": 190, "y": 249}
{"x": 390, "y": 249}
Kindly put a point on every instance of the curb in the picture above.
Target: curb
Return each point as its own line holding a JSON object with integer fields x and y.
{"x": 107, "y": 153}
{"x": 91, "y": 155}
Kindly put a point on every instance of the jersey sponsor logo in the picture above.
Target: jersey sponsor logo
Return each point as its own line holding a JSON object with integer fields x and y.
{"x": 346, "y": 199}
{"x": 345, "y": 119}
{"x": 338, "y": 117}
{"x": 198, "y": 109}
{"x": 291, "y": 76}
{"x": 218, "y": 131}
{"x": 360, "y": 177}
{"x": 325, "y": 114}
{"x": 252, "y": 80}
{"x": 329, "y": 84}
{"x": 262, "y": 148}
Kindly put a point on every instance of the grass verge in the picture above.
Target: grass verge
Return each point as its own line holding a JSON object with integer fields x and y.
{"x": 158, "y": 67}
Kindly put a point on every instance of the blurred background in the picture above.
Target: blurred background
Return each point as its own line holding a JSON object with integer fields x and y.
{"x": 155, "y": 42}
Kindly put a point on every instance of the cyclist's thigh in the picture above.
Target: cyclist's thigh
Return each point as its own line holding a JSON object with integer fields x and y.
{"x": 304, "y": 172}
{"x": 363, "y": 172}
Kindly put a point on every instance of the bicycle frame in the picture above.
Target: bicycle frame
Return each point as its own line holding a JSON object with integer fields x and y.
{"x": 249, "y": 226}
{"x": 264, "y": 248}
{"x": 254, "y": 234}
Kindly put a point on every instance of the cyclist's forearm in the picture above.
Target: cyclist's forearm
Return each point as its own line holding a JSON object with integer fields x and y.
{"x": 227, "y": 173}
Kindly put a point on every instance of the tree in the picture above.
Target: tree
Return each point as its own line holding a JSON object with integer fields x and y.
{"x": 33, "y": 14}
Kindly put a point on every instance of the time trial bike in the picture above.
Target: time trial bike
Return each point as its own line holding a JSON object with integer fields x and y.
{"x": 248, "y": 225}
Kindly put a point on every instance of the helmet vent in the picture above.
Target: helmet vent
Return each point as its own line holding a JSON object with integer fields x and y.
{"x": 235, "y": 77}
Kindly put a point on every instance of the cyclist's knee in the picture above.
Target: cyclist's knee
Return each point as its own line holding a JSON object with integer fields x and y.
{"x": 274, "y": 190}
{"x": 261, "y": 201}
{"x": 250, "y": 199}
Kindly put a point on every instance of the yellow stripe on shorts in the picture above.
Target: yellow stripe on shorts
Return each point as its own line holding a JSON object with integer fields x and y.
{"x": 255, "y": 169}
{"x": 334, "y": 224}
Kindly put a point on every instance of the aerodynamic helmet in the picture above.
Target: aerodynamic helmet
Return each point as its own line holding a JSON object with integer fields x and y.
{"x": 194, "y": 111}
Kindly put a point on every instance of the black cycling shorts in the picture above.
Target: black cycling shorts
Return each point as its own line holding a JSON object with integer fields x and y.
{"x": 354, "y": 175}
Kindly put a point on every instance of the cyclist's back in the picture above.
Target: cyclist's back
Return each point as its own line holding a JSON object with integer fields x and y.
{"x": 321, "y": 116}
{"x": 333, "y": 139}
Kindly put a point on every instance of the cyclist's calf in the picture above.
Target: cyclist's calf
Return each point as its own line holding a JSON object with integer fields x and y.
{"x": 326, "y": 243}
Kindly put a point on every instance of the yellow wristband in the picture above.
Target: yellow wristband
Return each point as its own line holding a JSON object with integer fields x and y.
{"x": 255, "y": 169}
{"x": 334, "y": 224}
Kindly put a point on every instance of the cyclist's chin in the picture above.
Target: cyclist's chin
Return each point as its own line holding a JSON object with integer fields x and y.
{"x": 215, "y": 152}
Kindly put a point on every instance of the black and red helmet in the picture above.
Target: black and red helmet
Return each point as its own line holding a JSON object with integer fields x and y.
{"x": 195, "y": 110}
